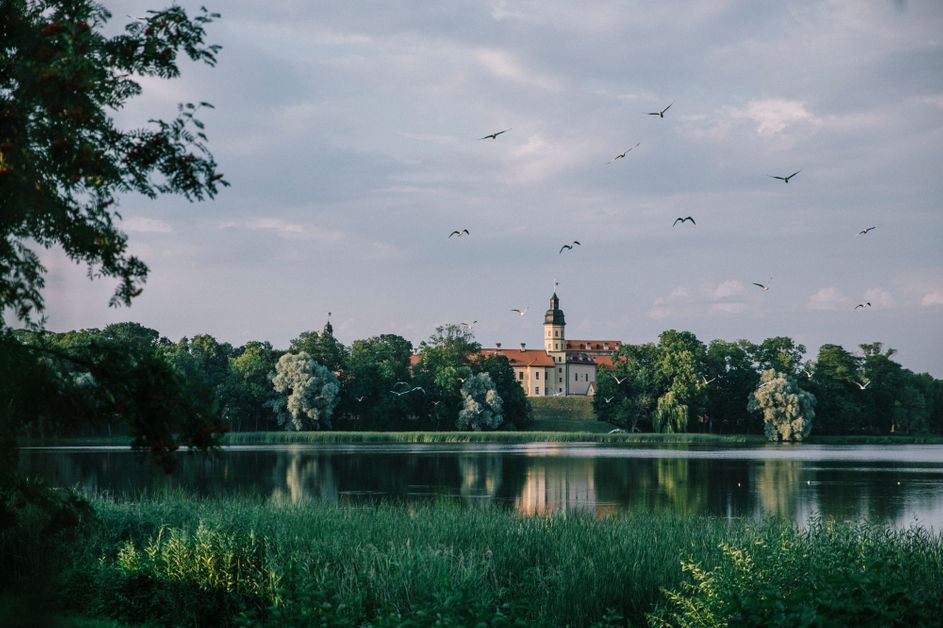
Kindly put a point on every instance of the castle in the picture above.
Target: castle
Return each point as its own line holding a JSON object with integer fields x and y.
{"x": 563, "y": 367}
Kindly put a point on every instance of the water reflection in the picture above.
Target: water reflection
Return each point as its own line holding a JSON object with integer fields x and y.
{"x": 896, "y": 485}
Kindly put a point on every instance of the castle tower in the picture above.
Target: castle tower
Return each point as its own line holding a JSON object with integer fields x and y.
{"x": 554, "y": 324}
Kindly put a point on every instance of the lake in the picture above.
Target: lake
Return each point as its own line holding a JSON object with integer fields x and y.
{"x": 896, "y": 484}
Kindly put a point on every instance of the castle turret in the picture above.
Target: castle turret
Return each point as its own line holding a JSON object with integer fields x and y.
{"x": 554, "y": 324}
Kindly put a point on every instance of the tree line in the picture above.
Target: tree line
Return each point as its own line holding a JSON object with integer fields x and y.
{"x": 680, "y": 384}
{"x": 317, "y": 383}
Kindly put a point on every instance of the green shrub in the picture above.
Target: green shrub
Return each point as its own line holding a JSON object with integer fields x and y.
{"x": 827, "y": 574}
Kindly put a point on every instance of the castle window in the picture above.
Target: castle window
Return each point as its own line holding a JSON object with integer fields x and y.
{"x": 537, "y": 390}
{"x": 537, "y": 375}
{"x": 576, "y": 377}
{"x": 520, "y": 375}
{"x": 556, "y": 332}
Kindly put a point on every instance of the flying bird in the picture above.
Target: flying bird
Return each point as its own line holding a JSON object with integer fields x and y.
{"x": 864, "y": 385}
{"x": 521, "y": 312}
{"x": 866, "y": 230}
{"x": 660, "y": 114}
{"x": 406, "y": 392}
{"x": 471, "y": 324}
{"x": 459, "y": 233}
{"x": 765, "y": 287}
{"x": 707, "y": 381}
{"x": 608, "y": 399}
{"x": 680, "y": 219}
{"x": 492, "y": 136}
{"x": 568, "y": 247}
{"x": 619, "y": 381}
{"x": 623, "y": 153}
{"x": 862, "y": 305}
{"x": 786, "y": 179}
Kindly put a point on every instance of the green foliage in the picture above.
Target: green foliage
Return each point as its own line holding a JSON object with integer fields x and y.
{"x": 481, "y": 404}
{"x": 308, "y": 393}
{"x": 827, "y": 574}
{"x": 670, "y": 416}
{"x": 375, "y": 366}
{"x": 63, "y": 160}
{"x": 54, "y": 389}
{"x": 324, "y": 348}
{"x": 787, "y": 410}
{"x": 247, "y": 393}
{"x": 515, "y": 408}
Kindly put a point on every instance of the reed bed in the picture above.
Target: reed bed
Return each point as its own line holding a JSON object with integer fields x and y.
{"x": 622, "y": 438}
{"x": 175, "y": 559}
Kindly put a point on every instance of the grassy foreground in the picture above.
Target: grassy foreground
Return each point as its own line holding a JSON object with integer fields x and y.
{"x": 173, "y": 559}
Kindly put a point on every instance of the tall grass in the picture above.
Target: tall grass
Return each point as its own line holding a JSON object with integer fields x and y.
{"x": 176, "y": 559}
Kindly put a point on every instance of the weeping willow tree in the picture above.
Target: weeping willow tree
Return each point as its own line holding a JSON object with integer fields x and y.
{"x": 787, "y": 409}
{"x": 670, "y": 416}
{"x": 481, "y": 404}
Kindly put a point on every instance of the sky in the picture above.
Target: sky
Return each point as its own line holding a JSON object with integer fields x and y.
{"x": 351, "y": 135}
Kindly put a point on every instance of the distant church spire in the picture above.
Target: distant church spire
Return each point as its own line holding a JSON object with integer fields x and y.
{"x": 328, "y": 328}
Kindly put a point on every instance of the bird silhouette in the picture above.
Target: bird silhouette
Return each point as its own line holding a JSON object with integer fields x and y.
{"x": 492, "y": 136}
{"x": 866, "y": 230}
{"x": 707, "y": 381}
{"x": 864, "y": 385}
{"x": 786, "y": 179}
{"x": 863, "y": 305}
{"x": 660, "y": 114}
{"x": 763, "y": 286}
{"x": 569, "y": 247}
{"x": 680, "y": 219}
{"x": 459, "y": 233}
{"x": 521, "y": 312}
{"x": 619, "y": 381}
{"x": 623, "y": 153}
{"x": 608, "y": 399}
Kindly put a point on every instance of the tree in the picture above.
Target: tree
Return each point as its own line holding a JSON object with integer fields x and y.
{"x": 780, "y": 353}
{"x": 481, "y": 404}
{"x": 443, "y": 366}
{"x": 787, "y": 410}
{"x": 323, "y": 347}
{"x": 840, "y": 408}
{"x": 63, "y": 160}
{"x": 308, "y": 393}
{"x": 628, "y": 391}
{"x": 732, "y": 378}
{"x": 248, "y": 394}
{"x": 516, "y": 408}
{"x": 375, "y": 366}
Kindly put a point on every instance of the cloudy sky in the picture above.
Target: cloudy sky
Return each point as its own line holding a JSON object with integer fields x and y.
{"x": 350, "y": 134}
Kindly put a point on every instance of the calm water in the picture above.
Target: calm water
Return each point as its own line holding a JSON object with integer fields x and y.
{"x": 897, "y": 484}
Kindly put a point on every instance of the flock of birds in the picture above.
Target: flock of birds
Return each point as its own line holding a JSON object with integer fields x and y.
{"x": 765, "y": 286}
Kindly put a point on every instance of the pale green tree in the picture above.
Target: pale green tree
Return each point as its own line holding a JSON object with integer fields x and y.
{"x": 308, "y": 393}
{"x": 481, "y": 404}
{"x": 787, "y": 410}
{"x": 670, "y": 415}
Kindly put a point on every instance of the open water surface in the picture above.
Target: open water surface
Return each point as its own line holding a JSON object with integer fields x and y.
{"x": 898, "y": 485}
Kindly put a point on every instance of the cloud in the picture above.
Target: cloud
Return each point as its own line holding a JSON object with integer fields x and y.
{"x": 504, "y": 65}
{"x": 147, "y": 225}
{"x": 828, "y": 299}
{"x": 729, "y": 288}
{"x": 672, "y": 305}
{"x": 726, "y": 297}
{"x": 773, "y": 116}
{"x": 932, "y": 298}
{"x": 878, "y": 296}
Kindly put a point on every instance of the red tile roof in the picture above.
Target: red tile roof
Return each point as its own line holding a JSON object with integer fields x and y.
{"x": 528, "y": 357}
{"x": 594, "y": 345}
